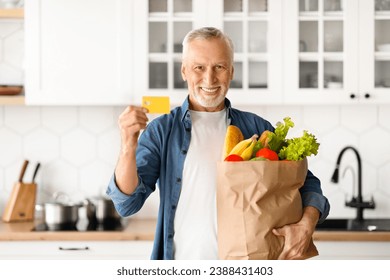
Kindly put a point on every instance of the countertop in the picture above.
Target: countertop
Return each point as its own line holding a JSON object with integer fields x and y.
{"x": 134, "y": 229}
{"x": 351, "y": 236}
{"x": 143, "y": 229}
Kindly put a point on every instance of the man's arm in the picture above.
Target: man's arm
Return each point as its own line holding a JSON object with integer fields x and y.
{"x": 132, "y": 120}
{"x": 312, "y": 195}
{"x": 297, "y": 237}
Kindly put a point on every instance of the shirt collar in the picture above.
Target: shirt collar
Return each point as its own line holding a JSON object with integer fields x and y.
{"x": 185, "y": 108}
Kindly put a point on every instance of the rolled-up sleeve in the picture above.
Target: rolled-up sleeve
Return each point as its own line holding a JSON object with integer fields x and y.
{"x": 318, "y": 201}
{"x": 125, "y": 204}
{"x": 311, "y": 193}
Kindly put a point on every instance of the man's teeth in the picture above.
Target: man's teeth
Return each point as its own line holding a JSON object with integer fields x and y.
{"x": 210, "y": 89}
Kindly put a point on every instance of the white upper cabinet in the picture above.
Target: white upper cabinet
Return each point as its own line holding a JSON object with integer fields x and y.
{"x": 374, "y": 51}
{"x": 78, "y": 52}
{"x": 254, "y": 26}
{"x": 337, "y": 51}
{"x": 112, "y": 52}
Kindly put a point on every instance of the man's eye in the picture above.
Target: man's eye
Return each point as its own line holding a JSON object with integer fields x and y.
{"x": 219, "y": 67}
{"x": 198, "y": 68}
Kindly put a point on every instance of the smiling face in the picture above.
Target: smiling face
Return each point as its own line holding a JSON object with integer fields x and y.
{"x": 207, "y": 67}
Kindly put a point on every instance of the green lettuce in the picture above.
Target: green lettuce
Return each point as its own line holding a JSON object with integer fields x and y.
{"x": 278, "y": 138}
{"x": 300, "y": 147}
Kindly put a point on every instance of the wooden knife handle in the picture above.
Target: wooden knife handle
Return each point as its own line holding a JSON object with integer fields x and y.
{"x": 24, "y": 167}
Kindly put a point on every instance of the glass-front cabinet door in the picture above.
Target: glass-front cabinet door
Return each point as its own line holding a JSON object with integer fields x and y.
{"x": 335, "y": 51}
{"x": 255, "y": 27}
{"x": 374, "y": 51}
{"x": 320, "y": 50}
{"x": 162, "y": 26}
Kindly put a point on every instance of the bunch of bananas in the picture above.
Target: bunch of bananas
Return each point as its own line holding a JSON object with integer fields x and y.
{"x": 243, "y": 149}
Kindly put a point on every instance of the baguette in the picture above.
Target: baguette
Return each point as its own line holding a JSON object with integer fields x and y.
{"x": 232, "y": 137}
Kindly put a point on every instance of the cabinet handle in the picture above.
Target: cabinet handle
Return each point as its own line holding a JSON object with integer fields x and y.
{"x": 367, "y": 95}
{"x": 74, "y": 248}
{"x": 352, "y": 95}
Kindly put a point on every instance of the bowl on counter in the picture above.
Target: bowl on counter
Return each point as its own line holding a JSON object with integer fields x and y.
{"x": 384, "y": 47}
{"x": 10, "y": 4}
{"x": 334, "y": 85}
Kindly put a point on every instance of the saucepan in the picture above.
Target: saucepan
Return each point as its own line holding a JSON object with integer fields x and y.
{"x": 61, "y": 212}
{"x": 102, "y": 210}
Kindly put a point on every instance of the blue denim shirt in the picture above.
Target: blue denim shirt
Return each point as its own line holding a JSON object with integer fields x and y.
{"x": 160, "y": 157}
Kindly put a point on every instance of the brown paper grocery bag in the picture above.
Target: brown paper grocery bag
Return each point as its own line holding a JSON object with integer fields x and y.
{"x": 254, "y": 197}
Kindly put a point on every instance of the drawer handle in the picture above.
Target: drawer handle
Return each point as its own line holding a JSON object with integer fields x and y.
{"x": 74, "y": 249}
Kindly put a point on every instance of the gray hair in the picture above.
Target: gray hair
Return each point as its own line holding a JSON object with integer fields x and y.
{"x": 208, "y": 33}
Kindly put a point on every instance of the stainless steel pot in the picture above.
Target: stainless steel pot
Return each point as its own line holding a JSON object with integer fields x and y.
{"x": 58, "y": 214}
{"x": 104, "y": 210}
{"x": 61, "y": 214}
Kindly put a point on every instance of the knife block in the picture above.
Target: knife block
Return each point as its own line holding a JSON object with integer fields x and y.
{"x": 21, "y": 204}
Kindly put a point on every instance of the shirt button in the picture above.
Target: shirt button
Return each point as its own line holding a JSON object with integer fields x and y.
{"x": 173, "y": 207}
{"x": 188, "y": 129}
{"x": 183, "y": 152}
{"x": 178, "y": 180}
{"x": 170, "y": 236}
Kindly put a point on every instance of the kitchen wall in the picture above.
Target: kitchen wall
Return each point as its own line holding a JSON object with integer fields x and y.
{"x": 78, "y": 146}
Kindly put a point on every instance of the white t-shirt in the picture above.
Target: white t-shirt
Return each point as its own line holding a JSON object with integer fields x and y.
{"x": 195, "y": 222}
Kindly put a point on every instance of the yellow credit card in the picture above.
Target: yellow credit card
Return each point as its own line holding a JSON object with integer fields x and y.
{"x": 156, "y": 104}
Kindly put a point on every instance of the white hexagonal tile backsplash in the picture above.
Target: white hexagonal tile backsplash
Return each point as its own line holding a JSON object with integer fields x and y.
{"x": 22, "y": 119}
{"x": 59, "y": 119}
{"x": 10, "y": 147}
{"x": 96, "y": 119}
{"x": 78, "y": 148}
{"x": 42, "y": 145}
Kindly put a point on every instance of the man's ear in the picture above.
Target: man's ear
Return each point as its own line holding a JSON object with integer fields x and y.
{"x": 183, "y": 72}
{"x": 232, "y": 74}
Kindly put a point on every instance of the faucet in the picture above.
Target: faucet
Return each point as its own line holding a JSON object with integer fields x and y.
{"x": 356, "y": 202}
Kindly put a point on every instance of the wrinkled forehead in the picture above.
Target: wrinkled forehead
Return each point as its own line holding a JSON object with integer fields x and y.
{"x": 214, "y": 50}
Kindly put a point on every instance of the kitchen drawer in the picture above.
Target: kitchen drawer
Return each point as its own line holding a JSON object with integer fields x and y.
{"x": 136, "y": 250}
{"x": 353, "y": 250}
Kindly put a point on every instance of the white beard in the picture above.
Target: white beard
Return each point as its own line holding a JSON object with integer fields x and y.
{"x": 208, "y": 101}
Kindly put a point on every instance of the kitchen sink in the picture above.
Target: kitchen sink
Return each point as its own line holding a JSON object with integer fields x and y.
{"x": 354, "y": 225}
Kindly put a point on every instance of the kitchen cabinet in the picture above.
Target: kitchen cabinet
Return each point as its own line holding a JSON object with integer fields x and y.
{"x": 352, "y": 250}
{"x": 10, "y": 18}
{"x": 337, "y": 51}
{"x": 254, "y": 26}
{"x": 286, "y": 52}
{"x": 79, "y": 52}
{"x": 129, "y": 250}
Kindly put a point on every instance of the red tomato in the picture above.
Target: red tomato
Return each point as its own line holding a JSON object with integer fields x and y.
{"x": 267, "y": 153}
{"x": 233, "y": 157}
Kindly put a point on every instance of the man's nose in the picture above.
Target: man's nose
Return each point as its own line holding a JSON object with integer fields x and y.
{"x": 209, "y": 76}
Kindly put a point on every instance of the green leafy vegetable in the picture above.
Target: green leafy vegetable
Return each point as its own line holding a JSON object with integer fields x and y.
{"x": 257, "y": 147}
{"x": 300, "y": 147}
{"x": 278, "y": 138}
